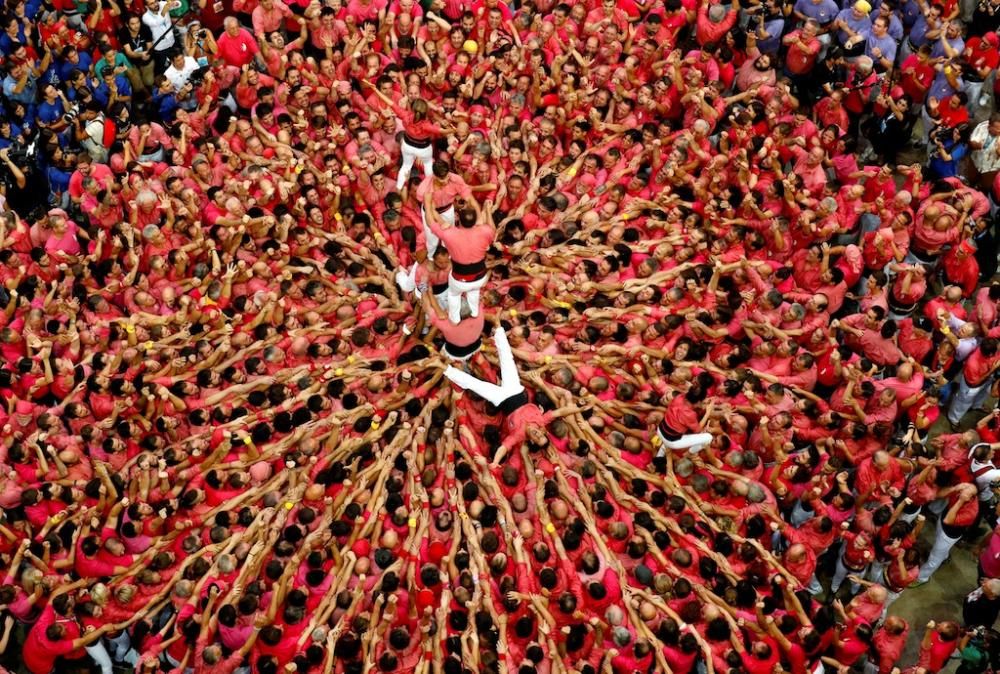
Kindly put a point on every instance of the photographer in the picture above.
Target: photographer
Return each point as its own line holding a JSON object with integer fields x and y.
{"x": 199, "y": 43}
{"x": 89, "y": 131}
{"x": 180, "y": 70}
{"x": 947, "y": 149}
{"x": 167, "y": 100}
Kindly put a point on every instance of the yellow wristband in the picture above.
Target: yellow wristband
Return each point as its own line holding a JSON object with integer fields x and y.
{"x": 513, "y": 312}
{"x": 655, "y": 441}
{"x": 339, "y": 371}
{"x": 149, "y": 345}
{"x": 412, "y": 523}
{"x": 548, "y": 359}
{"x": 551, "y": 528}
{"x": 338, "y": 217}
{"x": 350, "y": 360}
{"x": 289, "y": 505}
{"x": 129, "y": 328}
{"x": 247, "y": 441}
{"x": 946, "y": 330}
{"x": 374, "y": 425}
{"x": 564, "y": 305}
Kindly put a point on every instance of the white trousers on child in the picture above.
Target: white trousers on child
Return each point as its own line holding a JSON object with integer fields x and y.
{"x": 470, "y": 290}
{"x": 693, "y": 442}
{"x": 424, "y": 155}
{"x": 510, "y": 381}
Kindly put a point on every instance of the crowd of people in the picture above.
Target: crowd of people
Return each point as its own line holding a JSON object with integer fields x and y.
{"x": 447, "y": 337}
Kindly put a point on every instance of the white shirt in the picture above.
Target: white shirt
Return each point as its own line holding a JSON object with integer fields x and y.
{"x": 159, "y": 25}
{"x": 987, "y": 159}
{"x": 180, "y": 77}
{"x": 987, "y": 477}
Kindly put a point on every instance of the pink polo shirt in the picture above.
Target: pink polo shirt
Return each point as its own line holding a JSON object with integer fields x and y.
{"x": 465, "y": 245}
{"x": 444, "y": 195}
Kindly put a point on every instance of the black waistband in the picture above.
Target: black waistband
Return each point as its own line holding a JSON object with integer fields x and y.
{"x": 456, "y": 351}
{"x": 897, "y": 307}
{"x": 438, "y": 288}
{"x": 444, "y": 209}
{"x": 513, "y": 403}
{"x": 667, "y": 432}
{"x": 923, "y": 256}
{"x": 418, "y": 143}
{"x": 470, "y": 269}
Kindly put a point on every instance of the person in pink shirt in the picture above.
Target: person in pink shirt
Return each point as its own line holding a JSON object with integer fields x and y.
{"x": 467, "y": 244}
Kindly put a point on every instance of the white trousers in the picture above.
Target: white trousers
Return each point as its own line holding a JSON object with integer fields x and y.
{"x": 967, "y": 397}
{"x": 693, "y": 442}
{"x": 943, "y": 543}
{"x": 99, "y": 653}
{"x": 406, "y": 279}
{"x": 429, "y": 236}
{"x": 470, "y": 290}
{"x": 510, "y": 380}
{"x": 423, "y": 155}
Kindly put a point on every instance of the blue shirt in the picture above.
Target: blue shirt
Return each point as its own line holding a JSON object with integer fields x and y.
{"x": 65, "y": 67}
{"x": 861, "y": 26}
{"x": 50, "y": 112}
{"x": 937, "y": 51}
{"x": 940, "y": 88}
{"x": 885, "y": 44}
{"x": 895, "y": 27}
{"x": 102, "y": 92}
{"x": 166, "y": 105}
{"x": 947, "y": 168}
{"x": 58, "y": 180}
{"x": 28, "y": 94}
{"x": 15, "y": 134}
{"x": 7, "y": 44}
{"x": 772, "y": 42}
{"x": 911, "y": 11}
{"x": 824, "y": 12}
{"x": 918, "y": 33}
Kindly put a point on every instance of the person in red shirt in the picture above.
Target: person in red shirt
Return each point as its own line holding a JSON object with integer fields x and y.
{"x": 236, "y": 46}
{"x": 938, "y": 644}
{"x": 889, "y": 641}
{"x": 974, "y": 382}
{"x": 714, "y": 21}
{"x": 961, "y": 513}
{"x": 803, "y": 49}
{"x": 525, "y": 421}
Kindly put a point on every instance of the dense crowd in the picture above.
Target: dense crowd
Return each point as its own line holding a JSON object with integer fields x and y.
{"x": 446, "y": 337}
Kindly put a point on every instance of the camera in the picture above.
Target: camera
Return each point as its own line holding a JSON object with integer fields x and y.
{"x": 198, "y": 76}
{"x": 23, "y": 154}
{"x": 71, "y": 114}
